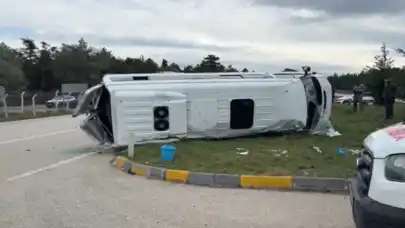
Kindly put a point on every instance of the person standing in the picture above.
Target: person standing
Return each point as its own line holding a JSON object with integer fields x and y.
{"x": 358, "y": 93}
{"x": 389, "y": 99}
{"x": 362, "y": 102}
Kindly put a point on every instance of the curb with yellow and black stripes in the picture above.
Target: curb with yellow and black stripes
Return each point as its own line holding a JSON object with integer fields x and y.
{"x": 319, "y": 184}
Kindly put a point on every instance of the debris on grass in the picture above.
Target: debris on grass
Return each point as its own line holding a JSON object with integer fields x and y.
{"x": 242, "y": 151}
{"x": 317, "y": 149}
{"x": 344, "y": 151}
{"x": 355, "y": 151}
{"x": 332, "y": 133}
{"x": 309, "y": 173}
{"x": 279, "y": 153}
{"x": 341, "y": 151}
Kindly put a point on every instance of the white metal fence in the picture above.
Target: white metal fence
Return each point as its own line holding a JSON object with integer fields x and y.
{"x": 32, "y": 104}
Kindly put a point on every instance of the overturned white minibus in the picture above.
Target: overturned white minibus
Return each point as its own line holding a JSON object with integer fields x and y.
{"x": 203, "y": 105}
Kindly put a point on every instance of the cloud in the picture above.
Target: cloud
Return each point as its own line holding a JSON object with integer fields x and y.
{"x": 136, "y": 40}
{"x": 342, "y": 7}
{"x": 264, "y": 35}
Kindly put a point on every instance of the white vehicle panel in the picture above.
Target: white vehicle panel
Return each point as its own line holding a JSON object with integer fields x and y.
{"x": 135, "y": 111}
{"x": 200, "y": 105}
{"x": 383, "y": 143}
{"x": 204, "y": 102}
{"x": 384, "y": 191}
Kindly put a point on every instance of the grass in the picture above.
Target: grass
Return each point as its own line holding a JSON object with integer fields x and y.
{"x": 292, "y": 154}
{"x": 29, "y": 115}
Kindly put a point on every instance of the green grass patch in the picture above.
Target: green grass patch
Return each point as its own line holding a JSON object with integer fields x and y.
{"x": 292, "y": 154}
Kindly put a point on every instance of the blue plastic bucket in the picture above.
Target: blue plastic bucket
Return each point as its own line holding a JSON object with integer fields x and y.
{"x": 341, "y": 151}
{"x": 167, "y": 152}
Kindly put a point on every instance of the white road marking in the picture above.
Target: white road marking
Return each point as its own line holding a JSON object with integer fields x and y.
{"x": 60, "y": 163}
{"x": 37, "y": 136}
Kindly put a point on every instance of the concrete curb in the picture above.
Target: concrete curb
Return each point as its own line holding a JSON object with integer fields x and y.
{"x": 317, "y": 184}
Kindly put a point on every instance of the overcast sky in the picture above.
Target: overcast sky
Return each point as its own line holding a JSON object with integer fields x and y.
{"x": 265, "y": 35}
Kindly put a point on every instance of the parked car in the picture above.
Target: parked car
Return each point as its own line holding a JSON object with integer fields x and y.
{"x": 377, "y": 192}
{"x": 62, "y": 102}
{"x": 348, "y": 99}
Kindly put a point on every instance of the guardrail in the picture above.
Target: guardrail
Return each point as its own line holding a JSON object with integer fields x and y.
{"x": 32, "y": 104}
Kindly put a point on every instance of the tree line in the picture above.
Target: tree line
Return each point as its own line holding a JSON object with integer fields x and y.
{"x": 373, "y": 77}
{"x": 43, "y": 67}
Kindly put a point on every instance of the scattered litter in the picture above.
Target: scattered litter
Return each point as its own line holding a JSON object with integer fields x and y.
{"x": 355, "y": 151}
{"x": 332, "y": 132}
{"x": 326, "y": 128}
{"x": 311, "y": 173}
{"x": 341, "y": 151}
{"x": 279, "y": 153}
{"x": 242, "y": 151}
{"x": 317, "y": 149}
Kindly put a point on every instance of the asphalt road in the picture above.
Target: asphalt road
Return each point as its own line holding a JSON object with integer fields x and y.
{"x": 49, "y": 178}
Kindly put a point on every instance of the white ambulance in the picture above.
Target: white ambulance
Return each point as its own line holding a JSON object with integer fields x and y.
{"x": 377, "y": 193}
